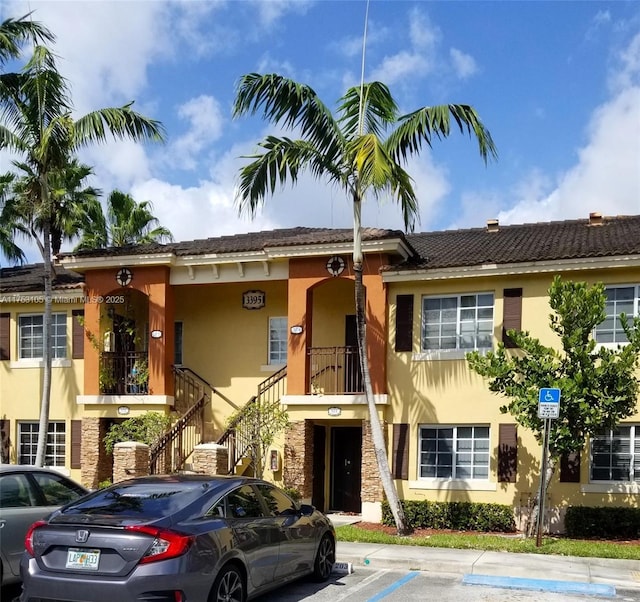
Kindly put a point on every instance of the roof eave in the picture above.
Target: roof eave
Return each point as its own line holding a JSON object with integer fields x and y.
{"x": 508, "y": 269}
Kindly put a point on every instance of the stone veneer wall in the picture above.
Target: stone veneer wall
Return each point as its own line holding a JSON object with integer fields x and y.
{"x": 130, "y": 459}
{"x": 372, "y": 490}
{"x": 298, "y": 457}
{"x": 96, "y": 465}
{"x": 210, "y": 458}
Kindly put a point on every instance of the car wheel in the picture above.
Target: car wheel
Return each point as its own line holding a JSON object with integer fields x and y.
{"x": 325, "y": 558}
{"x": 228, "y": 586}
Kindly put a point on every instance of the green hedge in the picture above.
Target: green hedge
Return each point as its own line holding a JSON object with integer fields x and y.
{"x": 459, "y": 516}
{"x": 603, "y": 522}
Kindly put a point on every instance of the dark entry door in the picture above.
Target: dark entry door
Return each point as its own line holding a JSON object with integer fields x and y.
{"x": 352, "y": 373}
{"x": 346, "y": 468}
{"x": 319, "y": 463}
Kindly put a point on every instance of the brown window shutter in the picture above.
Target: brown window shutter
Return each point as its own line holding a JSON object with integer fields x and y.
{"x": 77, "y": 334}
{"x": 5, "y": 352}
{"x": 5, "y": 440}
{"x": 401, "y": 451}
{"x": 76, "y": 441}
{"x": 512, "y": 314}
{"x": 570, "y": 468}
{"x": 507, "y": 453}
{"x": 404, "y": 322}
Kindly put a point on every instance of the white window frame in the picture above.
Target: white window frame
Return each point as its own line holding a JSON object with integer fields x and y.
{"x": 58, "y": 336}
{"x": 55, "y": 452}
{"x": 278, "y": 337}
{"x": 456, "y": 451}
{"x": 633, "y": 442}
{"x": 458, "y": 352}
{"x": 612, "y": 312}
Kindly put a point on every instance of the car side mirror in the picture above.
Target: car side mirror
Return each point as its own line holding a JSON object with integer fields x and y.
{"x": 306, "y": 509}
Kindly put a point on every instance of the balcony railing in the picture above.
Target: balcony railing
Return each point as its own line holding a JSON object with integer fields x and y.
{"x": 124, "y": 373}
{"x": 334, "y": 371}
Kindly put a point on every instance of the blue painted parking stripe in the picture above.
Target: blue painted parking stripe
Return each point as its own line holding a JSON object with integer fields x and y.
{"x": 393, "y": 587}
{"x": 563, "y": 587}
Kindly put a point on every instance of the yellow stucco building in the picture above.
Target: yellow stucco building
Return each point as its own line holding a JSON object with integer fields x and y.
{"x": 198, "y": 329}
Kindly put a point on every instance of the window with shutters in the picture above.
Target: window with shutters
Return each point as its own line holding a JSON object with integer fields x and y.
{"x": 30, "y": 336}
{"x": 459, "y": 322}
{"x": 28, "y": 443}
{"x": 454, "y": 452}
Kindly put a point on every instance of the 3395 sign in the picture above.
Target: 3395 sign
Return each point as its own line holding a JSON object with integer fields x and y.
{"x": 253, "y": 299}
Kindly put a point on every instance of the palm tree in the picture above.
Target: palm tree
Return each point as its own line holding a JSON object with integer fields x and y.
{"x": 127, "y": 223}
{"x": 36, "y": 123}
{"x": 13, "y": 34}
{"x": 69, "y": 199}
{"x": 362, "y": 149}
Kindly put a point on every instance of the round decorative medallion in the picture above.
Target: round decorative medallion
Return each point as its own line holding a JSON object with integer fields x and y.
{"x": 335, "y": 265}
{"x": 124, "y": 276}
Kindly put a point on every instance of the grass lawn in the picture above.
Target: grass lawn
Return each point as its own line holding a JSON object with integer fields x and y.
{"x": 497, "y": 543}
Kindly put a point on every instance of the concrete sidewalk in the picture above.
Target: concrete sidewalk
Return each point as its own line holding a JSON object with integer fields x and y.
{"x": 621, "y": 574}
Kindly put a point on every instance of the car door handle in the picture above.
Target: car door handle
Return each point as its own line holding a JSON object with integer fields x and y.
{"x": 2, "y": 522}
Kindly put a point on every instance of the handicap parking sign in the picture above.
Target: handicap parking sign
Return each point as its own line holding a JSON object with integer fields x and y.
{"x": 549, "y": 403}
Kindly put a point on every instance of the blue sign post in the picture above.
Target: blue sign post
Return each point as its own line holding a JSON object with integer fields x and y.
{"x": 548, "y": 408}
{"x": 549, "y": 403}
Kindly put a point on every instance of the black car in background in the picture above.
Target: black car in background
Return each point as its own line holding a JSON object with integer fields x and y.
{"x": 176, "y": 538}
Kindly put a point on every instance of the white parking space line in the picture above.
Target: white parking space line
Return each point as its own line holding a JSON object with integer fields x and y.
{"x": 364, "y": 583}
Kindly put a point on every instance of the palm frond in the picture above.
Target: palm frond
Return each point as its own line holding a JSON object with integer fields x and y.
{"x": 15, "y": 32}
{"x": 423, "y": 125}
{"x": 282, "y": 161}
{"x": 292, "y": 105}
{"x": 377, "y": 171}
{"x": 116, "y": 122}
{"x": 379, "y": 110}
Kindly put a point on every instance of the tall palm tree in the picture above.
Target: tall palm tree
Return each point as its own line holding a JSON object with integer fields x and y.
{"x": 14, "y": 33}
{"x": 69, "y": 199}
{"x": 127, "y": 222}
{"x": 362, "y": 149}
{"x": 36, "y": 123}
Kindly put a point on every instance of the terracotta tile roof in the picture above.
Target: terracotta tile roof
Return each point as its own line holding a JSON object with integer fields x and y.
{"x": 243, "y": 243}
{"x": 29, "y": 278}
{"x": 548, "y": 241}
{"x": 545, "y": 241}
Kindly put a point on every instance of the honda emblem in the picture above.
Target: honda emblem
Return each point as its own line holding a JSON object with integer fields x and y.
{"x": 82, "y": 535}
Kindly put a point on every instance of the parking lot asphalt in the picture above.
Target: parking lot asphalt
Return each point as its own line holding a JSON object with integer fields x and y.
{"x": 563, "y": 574}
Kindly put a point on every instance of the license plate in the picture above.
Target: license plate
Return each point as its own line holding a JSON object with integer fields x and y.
{"x": 78, "y": 558}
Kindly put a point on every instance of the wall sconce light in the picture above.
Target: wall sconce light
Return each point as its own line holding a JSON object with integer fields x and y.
{"x": 296, "y": 330}
{"x": 156, "y": 334}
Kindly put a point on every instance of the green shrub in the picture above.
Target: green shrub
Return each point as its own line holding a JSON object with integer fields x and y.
{"x": 147, "y": 428}
{"x": 293, "y": 493}
{"x": 459, "y": 516}
{"x": 602, "y": 522}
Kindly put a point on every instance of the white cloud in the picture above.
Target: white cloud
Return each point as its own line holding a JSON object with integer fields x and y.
{"x": 400, "y": 66}
{"x": 464, "y": 64}
{"x": 205, "y": 127}
{"x": 106, "y": 47}
{"x": 273, "y": 10}
{"x": 607, "y": 176}
{"x": 422, "y": 33}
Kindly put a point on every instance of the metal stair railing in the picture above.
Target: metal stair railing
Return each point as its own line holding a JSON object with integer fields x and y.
{"x": 192, "y": 393}
{"x": 241, "y": 433}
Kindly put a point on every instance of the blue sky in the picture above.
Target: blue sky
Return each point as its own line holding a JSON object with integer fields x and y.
{"x": 557, "y": 84}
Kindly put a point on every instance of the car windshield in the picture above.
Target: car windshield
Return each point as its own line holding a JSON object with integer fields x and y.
{"x": 139, "y": 499}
